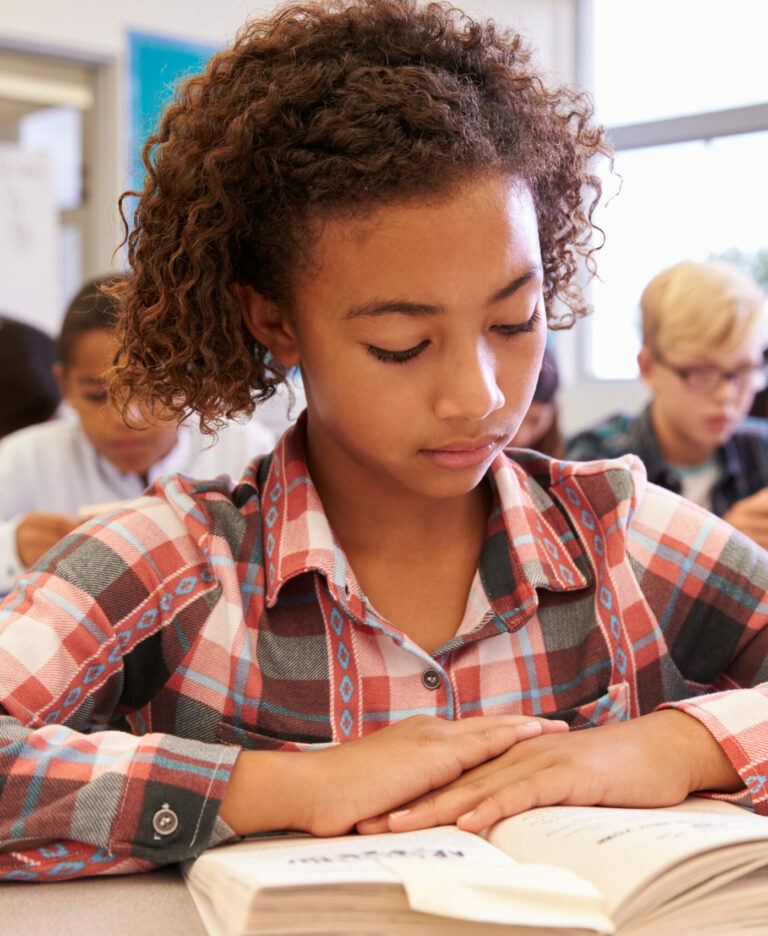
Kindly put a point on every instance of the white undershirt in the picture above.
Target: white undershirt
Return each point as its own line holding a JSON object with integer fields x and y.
{"x": 698, "y": 482}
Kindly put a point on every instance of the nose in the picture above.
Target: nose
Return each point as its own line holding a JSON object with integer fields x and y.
{"x": 133, "y": 416}
{"x": 468, "y": 387}
{"x": 729, "y": 388}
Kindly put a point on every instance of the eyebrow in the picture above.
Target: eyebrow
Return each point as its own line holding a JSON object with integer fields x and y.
{"x": 91, "y": 381}
{"x": 421, "y": 309}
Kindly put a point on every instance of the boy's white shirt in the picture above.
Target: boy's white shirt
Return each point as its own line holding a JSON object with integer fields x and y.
{"x": 53, "y": 468}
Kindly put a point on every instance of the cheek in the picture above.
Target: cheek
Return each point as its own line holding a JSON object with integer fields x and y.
{"x": 163, "y": 438}
{"x": 746, "y": 403}
{"x": 92, "y": 421}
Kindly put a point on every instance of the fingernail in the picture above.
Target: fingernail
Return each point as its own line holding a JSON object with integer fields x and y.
{"x": 400, "y": 812}
{"x": 466, "y": 817}
{"x": 530, "y": 729}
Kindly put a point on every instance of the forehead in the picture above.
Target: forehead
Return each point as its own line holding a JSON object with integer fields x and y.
{"x": 748, "y": 350}
{"x": 92, "y": 352}
{"x": 481, "y": 232}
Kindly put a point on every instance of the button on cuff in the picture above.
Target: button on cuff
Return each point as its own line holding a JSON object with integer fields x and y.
{"x": 165, "y": 821}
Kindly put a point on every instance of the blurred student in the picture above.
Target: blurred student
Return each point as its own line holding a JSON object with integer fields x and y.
{"x": 702, "y": 358}
{"x": 760, "y": 403}
{"x": 540, "y": 428}
{"x": 54, "y": 475}
{"x": 29, "y": 392}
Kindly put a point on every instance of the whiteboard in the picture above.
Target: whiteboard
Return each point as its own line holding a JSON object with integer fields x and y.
{"x": 29, "y": 267}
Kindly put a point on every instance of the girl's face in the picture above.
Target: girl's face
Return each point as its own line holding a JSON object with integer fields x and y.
{"x": 420, "y": 332}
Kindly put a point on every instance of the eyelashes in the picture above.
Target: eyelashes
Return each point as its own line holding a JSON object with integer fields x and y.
{"x": 397, "y": 357}
{"x": 528, "y": 326}
{"x": 408, "y": 354}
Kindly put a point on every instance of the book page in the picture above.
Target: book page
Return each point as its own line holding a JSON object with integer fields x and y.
{"x": 444, "y": 871}
{"x": 620, "y": 850}
{"x": 517, "y": 895}
{"x": 307, "y": 861}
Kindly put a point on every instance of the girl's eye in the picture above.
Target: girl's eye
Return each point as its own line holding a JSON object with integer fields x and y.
{"x": 528, "y": 326}
{"x": 96, "y": 397}
{"x": 397, "y": 357}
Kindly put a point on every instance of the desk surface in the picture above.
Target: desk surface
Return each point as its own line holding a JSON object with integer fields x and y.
{"x": 154, "y": 904}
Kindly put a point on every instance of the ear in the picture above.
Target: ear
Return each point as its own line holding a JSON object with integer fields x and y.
{"x": 60, "y": 378}
{"x": 268, "y": 325}
{"x": 647, "y": 364}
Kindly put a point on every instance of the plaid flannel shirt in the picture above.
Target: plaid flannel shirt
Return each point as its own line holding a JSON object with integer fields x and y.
{"x": 742, "y": 461}
{"x": 209, "y": 617}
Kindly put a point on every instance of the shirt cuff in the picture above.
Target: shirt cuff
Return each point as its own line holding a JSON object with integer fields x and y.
{"x": 222, "y": 832}
{"x": 738, "y": 721}
{"x": 11, "y": 567}
{"x": 174, "y": 807}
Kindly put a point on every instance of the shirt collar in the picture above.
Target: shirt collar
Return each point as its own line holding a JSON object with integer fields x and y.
{"x": 529, "y": 544}
{"x": 297, "y": 535}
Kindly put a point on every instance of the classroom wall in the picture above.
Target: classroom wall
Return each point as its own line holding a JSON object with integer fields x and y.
{"x": 97, "y": 27}
{"x": 95, "y": 31}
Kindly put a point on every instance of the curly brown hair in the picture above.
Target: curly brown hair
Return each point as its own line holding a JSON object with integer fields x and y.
{"x": 324, "y": 109}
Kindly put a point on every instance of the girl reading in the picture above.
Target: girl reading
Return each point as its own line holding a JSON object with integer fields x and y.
{"x": 390, "y": 621}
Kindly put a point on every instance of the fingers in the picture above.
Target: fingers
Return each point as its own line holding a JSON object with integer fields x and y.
{"x": 545, "y": 788}
{"x": 750, "y": 517}
{"x": 478, "y": 803}
{"x": 441, "y": 752}
{"x": 475, "y": 752}
{"x": 37, "y": 532}
{"x": 478, "y": 742}
{"x": 542, "y": 780}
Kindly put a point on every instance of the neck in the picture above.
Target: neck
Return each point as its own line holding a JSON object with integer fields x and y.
{"x": 675, "y": 450}
{"x": 403, "y": 528}
{"x": 395, "y": 524}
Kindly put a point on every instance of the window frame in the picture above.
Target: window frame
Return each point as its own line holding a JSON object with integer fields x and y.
{"x": 586, "y": 392}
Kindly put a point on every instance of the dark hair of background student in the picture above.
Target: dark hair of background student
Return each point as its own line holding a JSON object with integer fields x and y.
{"x": 91, "y": 309}
{"x": 280, "y": 134}
{"x": 29, "y": 393}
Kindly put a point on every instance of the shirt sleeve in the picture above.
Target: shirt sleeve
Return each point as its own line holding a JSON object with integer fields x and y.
{"x": 707, "y": 586}
{"x": 11, "y": 566}
{"x": 103, "y": 800}
{"x": 15, "y": 502}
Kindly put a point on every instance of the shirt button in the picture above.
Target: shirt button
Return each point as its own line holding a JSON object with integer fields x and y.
{"x": 165, "y": 821}
{"x": 431, "y": 679}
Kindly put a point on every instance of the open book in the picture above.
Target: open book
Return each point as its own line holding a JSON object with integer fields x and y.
{"x": 698, "y": 868}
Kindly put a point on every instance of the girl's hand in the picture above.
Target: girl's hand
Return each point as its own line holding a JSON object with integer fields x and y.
{"x": 328, "y": 791}
{"x": 656, "y": 760}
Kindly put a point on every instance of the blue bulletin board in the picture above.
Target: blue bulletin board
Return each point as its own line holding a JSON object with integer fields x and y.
{"x": 156, "y": 63}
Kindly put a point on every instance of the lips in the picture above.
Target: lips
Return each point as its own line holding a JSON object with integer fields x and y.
{"x": 719, "y": 423}
{"x": 128, "y": 445}
{"x": 463, "y": 453}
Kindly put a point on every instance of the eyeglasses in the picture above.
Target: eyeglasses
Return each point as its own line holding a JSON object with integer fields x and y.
{"x": 707, "y": 378}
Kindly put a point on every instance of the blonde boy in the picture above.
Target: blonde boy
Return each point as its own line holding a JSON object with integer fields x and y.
{"x": 702, "y": 360}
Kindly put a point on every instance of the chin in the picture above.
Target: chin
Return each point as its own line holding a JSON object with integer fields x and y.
{"x": 129, "y": 467}
{"x": 455, "y": 483}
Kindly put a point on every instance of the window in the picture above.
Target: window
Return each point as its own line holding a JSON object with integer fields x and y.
{"x": 683, "y": 89}
{"x": 46, "y": 114}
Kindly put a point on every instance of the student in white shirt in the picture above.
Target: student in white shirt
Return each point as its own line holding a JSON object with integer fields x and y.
{"x": 52, "y": 472}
